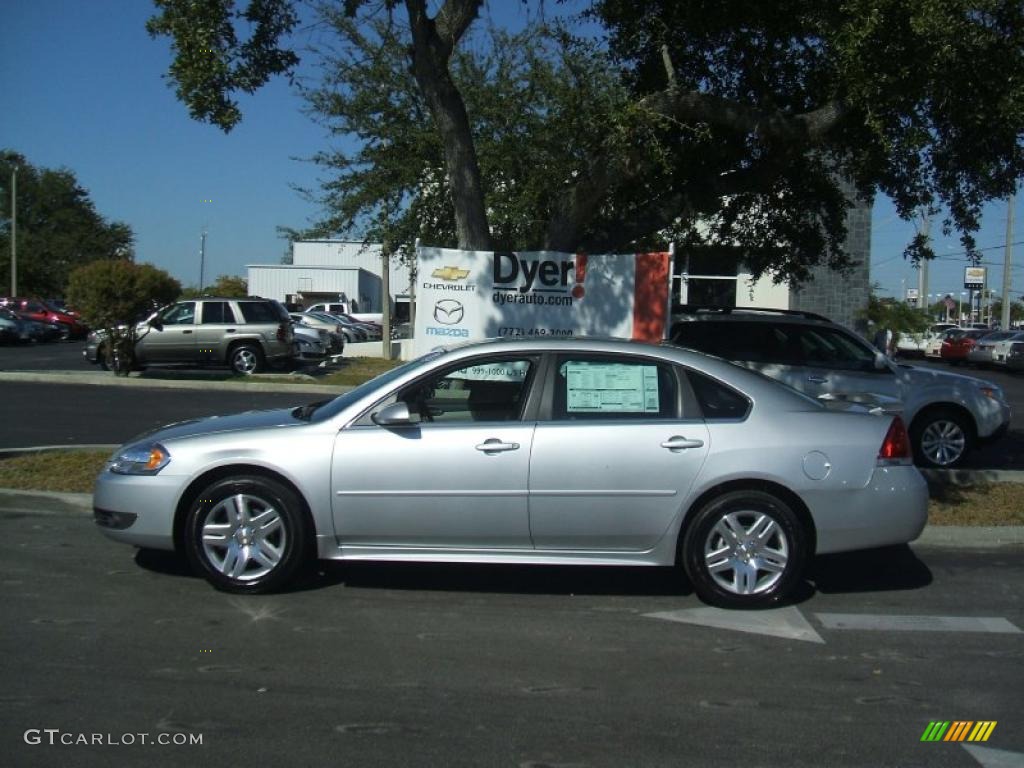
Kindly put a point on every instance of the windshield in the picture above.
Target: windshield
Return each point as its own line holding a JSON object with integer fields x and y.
{"x": 330, "y": 408}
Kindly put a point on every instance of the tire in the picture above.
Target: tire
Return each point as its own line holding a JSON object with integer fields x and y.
{"x": 246, "y": 359}
{"x": 941, "y": 439}
{"x": 247, "y": 535}
{"x": 744, "y": 549}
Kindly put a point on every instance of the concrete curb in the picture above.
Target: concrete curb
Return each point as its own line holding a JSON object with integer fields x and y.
{"x": 105, "y": 379}
{"x": 946, "y": 537}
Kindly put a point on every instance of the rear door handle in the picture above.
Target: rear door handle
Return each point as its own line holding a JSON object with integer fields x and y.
{"x": 230, "y": 330}
{"x": 817, "y": 379}
{"x": 186, "y": 332}
{"x": 496, "y": 446}
{"x": 678, "y": 443}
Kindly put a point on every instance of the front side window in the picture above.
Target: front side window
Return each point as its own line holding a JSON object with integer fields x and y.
{"x": 595, "y": 389}
{"x": 487, "y": 390}
{"x": 833, "y": 349}
{"x": 180, "y": 314}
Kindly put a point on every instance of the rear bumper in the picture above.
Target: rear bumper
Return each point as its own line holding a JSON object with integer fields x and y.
{"x": 891, "y": 509}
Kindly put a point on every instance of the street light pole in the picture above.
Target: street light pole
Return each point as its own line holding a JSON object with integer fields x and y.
{"x": 14, "y": 231}
{"x": 202, "y": 259}
{"x": 1004, "y": 316}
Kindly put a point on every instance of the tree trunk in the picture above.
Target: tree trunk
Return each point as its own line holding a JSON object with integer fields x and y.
{"x": 430, "y": 54}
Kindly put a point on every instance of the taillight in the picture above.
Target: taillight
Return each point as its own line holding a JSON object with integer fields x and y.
{"x": 282, "y": 332}
{"x": 896, "y": 445}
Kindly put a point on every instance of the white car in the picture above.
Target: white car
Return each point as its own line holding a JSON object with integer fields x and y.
{"x": 917, "y": 343}
{"x": 947, "y": 415}
{"x": 1009, "y": 351}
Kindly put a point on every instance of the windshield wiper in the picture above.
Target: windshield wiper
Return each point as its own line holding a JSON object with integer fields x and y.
{"x": 305, "y": 412}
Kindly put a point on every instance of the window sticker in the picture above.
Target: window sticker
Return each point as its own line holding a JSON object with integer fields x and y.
{"x": 502, "y": 370}
{"x": 611, "y": 388}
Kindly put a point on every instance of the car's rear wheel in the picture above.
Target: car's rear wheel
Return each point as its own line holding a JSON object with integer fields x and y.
{"x": 941, "y": 439}
{"x": 247, "y": 534}
{"x": 744, "y": 549}
{"x": 246, "y": 359}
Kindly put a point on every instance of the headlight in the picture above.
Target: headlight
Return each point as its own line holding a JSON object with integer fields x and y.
{"x": 993, "y": 392}
{"x": 143, "y": 459}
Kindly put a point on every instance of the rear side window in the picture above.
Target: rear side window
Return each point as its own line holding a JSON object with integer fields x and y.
{"x": 745, "y": 342}
{"x": 217, "y": 312}
{"x": 597, "y": 389}
{"x": 259, "y": 312}
{"x": 718, "y": 401}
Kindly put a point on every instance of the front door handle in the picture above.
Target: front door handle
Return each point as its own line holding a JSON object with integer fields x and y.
{"x": 678, "y": 443}
{"x": 185, "y": 332}
{"x": 817, "y": 379}
{"x": 496, "y": 446}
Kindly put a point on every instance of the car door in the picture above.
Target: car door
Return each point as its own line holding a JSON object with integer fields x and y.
{"x": 455, "y": 478}
{"x": 834, "y": 364}
{"x": 217, "y": 325}
{"x": 172, "y": 339}
{"x": 615, "y": 453}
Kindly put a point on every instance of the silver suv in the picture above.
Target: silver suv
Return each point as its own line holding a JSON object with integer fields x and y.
{"x": 244, "y": 334}
{"x": 947, "y": 414}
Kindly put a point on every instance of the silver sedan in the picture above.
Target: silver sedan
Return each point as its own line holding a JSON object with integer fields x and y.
{"x": 580, "y": 452}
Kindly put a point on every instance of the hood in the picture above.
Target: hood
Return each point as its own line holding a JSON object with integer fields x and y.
{"x": 919, "y": 376}
{"x": 278, "y": 417}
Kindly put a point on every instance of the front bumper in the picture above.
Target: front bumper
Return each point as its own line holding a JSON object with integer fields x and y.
{"x": 137, "y": 510}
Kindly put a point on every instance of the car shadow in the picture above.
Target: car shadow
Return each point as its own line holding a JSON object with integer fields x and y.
{"x": 885, "y": 569}
{"x": 501, "y": 579}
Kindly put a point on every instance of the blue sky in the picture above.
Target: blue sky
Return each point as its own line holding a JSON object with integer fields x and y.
{"x": 83, "y": 88}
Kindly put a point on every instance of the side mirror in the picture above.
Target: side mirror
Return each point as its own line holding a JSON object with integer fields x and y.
{"x": 394, "y": 415}
{"x": 155, "y": 324}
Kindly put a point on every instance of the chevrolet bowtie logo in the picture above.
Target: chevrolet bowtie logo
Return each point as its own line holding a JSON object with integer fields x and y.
{"x": 450, "y": 273}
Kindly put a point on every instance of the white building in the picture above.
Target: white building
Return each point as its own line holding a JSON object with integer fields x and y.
{"x": 333, "y": 270}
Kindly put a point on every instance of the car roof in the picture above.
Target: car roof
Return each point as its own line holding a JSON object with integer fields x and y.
{"x": 707, "y": 312}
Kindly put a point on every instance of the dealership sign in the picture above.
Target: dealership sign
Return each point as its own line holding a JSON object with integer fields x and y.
{"x": 974, "y": 277}
{"x": 467, "y": 295}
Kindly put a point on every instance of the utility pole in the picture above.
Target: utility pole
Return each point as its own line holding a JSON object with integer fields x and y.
{"x": 385, "y": 296}
{"x": 922, "y": 275}
{"x": 14, "y": 231}
{"x": 1004, "y": 316}
{"x": 202, "y": 258}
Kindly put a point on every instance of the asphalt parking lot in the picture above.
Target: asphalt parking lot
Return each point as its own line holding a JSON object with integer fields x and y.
{"x": 420, "y": 665}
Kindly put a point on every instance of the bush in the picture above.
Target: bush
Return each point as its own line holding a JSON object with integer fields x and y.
{"x": 113, "y": 295}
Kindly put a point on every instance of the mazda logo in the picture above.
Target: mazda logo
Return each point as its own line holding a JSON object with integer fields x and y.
{"x": 448, "y": 312}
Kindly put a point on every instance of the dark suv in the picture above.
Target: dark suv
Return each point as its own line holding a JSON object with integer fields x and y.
{"x": 947, "y": 414}
{"x": 244, "y": 334}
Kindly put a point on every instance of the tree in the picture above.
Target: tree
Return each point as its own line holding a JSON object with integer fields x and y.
{"x": 228, "y": 286}
{"x": 896, "y": 316}
{"x": 58, "y": 228}
{"x": 112, "y": 296}
{"x": 727, "y": 124}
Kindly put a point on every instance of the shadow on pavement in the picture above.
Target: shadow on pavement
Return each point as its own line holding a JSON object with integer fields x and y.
{"x": 501, "y": 579}
{"x": 887, "y": 569}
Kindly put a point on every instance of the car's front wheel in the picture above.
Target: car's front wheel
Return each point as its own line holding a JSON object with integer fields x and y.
{"x": 246, "y": 359}
{"x": 247, "y": 534}
{"x": 941, "y": 439}
{"x": 744, "y": 549}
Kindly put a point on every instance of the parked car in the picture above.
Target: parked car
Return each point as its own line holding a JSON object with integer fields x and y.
{"x": 956, "y": 348}
{"x": 947, "y": 415}
{"x": 244, "y": 334}
{"x": 981, "y": 353}
{"x": 352, "y": 333}
{"x": 917, "y": 343}
{"x": 1013, "y": 357}
{"x": 1002, "y": 351}
{"x": 68, "y": 326}
{"x": 933, "y": 349}
{"x": 561, "y": 452}
{"x": 311, "y": 344}
{"x": 374, "y": 331}
{"x": 12, "y": 330}
{"x": 335, "y": 331}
